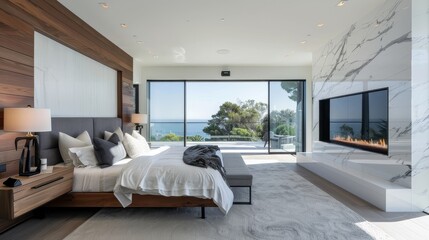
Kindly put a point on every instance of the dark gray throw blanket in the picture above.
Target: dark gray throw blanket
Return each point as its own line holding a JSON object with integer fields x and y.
{"x": 204, "y": 156}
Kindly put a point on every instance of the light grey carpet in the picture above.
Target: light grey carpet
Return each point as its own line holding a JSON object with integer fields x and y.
{"x": 285, "y": 206}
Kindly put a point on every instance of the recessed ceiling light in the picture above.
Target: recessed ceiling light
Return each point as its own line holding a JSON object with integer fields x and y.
{"x": 223, "y": 51}
{"x": 104, "y": 5}
{"x": 124, "y": 25}
{"x": 303, "y": 42}
{"x": 222, "y": 19}
{"x": 320, "y": 24}
{"x": 341, "y": 3}
{"x": 139, "y": 42}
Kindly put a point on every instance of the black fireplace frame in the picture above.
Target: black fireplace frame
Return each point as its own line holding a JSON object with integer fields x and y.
{"x": 324, "y": 121}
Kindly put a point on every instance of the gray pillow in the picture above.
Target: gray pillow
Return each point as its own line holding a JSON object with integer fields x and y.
{"x": 109, "y": 151}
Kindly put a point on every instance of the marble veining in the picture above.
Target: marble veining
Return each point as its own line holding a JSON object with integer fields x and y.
{"x": 371, "y": 54}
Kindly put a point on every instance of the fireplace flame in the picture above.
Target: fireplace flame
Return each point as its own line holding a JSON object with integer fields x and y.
{"x": 381, "y": 143}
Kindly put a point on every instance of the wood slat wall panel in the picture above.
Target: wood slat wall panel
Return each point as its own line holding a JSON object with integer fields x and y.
{"x": 15, "y": 44}
{"x": 11, "y": 82}
{"x": 9, "y": 20}
{"x": 16, "y": 67}
{"x": 16, "y": 56}
{"x": 7, "y": 155}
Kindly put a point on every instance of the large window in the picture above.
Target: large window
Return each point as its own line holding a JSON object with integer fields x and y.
{"x": 235, "y": 115}
{"x": 167, "y": 116}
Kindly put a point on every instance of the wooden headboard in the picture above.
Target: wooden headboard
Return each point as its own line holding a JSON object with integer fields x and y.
{"x": 48, "y": 143}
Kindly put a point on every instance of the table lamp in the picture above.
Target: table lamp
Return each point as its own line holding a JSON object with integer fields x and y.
{"x": 27, "y": 120}
{"x": 139, "y": 119}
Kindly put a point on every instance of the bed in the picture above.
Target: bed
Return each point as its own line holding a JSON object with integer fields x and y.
{"x": 93, "y": 187}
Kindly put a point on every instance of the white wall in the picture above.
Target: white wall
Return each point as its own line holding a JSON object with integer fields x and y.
{"x": 237, "y": 73}
{"x": 420, "y": 105}
{"x": 71, "y": 84}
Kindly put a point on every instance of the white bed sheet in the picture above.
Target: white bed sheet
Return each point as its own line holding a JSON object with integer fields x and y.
{"x": 96, "y": 179}
{"x": 166, "y": 174}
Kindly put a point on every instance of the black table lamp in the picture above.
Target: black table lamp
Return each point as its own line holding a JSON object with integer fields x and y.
{"x": 28, "y": 120}
{"x": 139, "y": 119}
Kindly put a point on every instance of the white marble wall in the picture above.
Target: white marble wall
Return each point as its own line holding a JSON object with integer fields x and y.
{"x": 373, "y": 53}
{"x": 420, "y": 104}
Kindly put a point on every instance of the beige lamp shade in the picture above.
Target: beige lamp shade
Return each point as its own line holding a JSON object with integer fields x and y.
{"x": 27, "y": 120}
{"x": 139, "y": 118}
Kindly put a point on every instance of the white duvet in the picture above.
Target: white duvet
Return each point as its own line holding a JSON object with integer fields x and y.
{"x": 166, "y": 174}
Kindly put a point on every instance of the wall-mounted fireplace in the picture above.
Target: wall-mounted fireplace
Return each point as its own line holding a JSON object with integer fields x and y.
{"x": 357, "y": 120}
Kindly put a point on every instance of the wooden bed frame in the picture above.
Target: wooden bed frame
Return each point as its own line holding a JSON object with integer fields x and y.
{"x": 108, "y": 200}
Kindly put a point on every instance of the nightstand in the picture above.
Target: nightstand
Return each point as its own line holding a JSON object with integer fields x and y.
{"x": 34, "y": 191}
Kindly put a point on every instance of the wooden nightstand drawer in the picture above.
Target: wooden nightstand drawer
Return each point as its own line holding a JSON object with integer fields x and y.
{"x": 42, "y": 184}
{"x": 34, "y": 192}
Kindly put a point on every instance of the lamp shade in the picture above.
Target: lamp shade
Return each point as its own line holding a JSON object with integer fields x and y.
{"x": 139, "y": 118}
{"x": 27, "y": 120}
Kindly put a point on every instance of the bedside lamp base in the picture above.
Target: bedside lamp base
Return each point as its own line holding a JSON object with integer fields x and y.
{"x": 25, "y": 160}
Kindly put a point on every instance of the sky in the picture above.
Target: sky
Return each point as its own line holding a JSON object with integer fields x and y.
{"x": 204, "y": 98}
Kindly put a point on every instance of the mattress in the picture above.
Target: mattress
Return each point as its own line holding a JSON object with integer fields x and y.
{"x": 96, "y": 179}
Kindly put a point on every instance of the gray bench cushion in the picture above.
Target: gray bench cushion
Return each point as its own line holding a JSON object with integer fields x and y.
{"x": 237, "y": 173}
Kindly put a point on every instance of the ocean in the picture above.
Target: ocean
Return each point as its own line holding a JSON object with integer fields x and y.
{"x": 161, "y": 128}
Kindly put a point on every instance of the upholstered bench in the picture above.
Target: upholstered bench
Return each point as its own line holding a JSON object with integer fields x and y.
{"x": 237, "y": 173}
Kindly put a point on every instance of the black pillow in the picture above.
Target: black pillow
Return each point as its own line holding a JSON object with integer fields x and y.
{"x": 102, "y": 151}
{"x": 114, "y": 138}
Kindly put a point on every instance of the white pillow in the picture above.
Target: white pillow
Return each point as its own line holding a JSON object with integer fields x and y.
{"x": 118, "y": 131}
{"x": 65, "y": 142}
{"x": 83, "y": 156}
{"x": 135, "y": 144}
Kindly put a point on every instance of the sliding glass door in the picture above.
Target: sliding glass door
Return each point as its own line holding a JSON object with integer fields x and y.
{"x": 166, "y": 113}
{"x": 227, "y": 114}
{"x": 285, "y": 131}
{"x": 239, "y": 116}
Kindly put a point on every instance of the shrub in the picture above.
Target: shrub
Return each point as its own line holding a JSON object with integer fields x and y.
{"x": 284, "y": 129}
{"x": 171, "y": 137}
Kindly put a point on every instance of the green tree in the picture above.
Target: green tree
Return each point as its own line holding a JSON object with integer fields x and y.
{"x": 244, "y": 115}
{"x": 171, "y": 137}
{"x": 243, "y": 132}
{"x": 282, "y": 117}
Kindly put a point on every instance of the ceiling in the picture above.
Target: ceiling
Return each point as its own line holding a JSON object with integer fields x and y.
{"x": 193, "y": 32}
